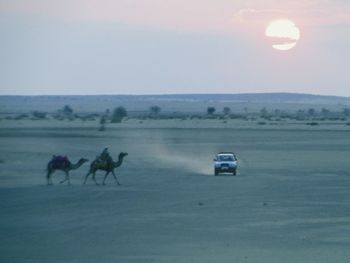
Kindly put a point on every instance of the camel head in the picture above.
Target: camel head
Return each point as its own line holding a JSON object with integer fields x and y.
{"x": 122, "y": 155}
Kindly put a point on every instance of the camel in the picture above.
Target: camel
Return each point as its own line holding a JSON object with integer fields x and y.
{"x": 63, "y": 164}
{"x": 109, "y": 167}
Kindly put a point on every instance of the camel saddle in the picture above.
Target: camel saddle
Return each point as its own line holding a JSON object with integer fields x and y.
{"x": 59, "y": 161}
{"x": 103, "y": 164}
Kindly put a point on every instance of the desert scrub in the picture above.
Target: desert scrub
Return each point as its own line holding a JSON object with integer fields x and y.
{"x": 21, "y": 117}
{"x": 39, "y": 115}
{"x": 312, "y": 123}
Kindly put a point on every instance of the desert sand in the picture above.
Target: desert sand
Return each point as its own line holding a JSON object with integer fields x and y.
{"x": 290, "y": 201}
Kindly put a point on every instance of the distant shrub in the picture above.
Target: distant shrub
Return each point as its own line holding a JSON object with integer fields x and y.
{"x": 236, "y": 116}
{"x": 312, "y": 123}
{"x": 58, "y": 117}
{"x": 195, "y": 117}
{"x": 264, "y": 113}
{"x": 155, "y": 110}
{"x": 311, "y": 112}
{"x": 102, "y": 123}
{"x": 261, "y": 123}
{"x": 39, "y": 114}
{"x": 325, "y": 112}
{"x": 226, "y": 110}
{"x": 277, "y": 112}
{"x": 346, "y": 112}
{"x": 90, "y": 117}
{"x": 21, "y": 117}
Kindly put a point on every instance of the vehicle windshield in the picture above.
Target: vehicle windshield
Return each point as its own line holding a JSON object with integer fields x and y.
{"x": 223, "y": 158}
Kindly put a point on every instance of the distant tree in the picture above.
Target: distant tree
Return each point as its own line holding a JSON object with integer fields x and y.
{"x": 67, "y": 110}
{"x": 325, "y": 112}
{"x": 103, "y": 120}
{"x": 118, "y": 114}
{"x": 226, "y": 110}
{"x": 277, "y": 112}
{"x": 264, "y": 113}
{"x": 300, "y": 114}
{"x": 211, "y": 110}
{"x": 346, "y": 112}
{"x": 155, "y": 110}
{"x": 311, "y": 112}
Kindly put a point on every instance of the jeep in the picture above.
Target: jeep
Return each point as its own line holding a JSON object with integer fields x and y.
{"x": 225, "y": 162}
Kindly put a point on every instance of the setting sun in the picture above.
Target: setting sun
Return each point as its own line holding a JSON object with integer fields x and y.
{"x": 284, "y": 34}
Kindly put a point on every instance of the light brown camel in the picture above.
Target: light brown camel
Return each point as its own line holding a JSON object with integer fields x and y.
{"x": 63, "y": 164}
{"x": 105, "y": 166}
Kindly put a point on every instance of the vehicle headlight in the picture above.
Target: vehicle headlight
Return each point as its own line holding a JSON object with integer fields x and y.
{"x": 233, "y": 164}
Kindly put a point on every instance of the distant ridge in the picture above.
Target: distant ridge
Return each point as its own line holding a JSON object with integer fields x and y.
{"x": 256, "y": 97}
{"x": 194, "y": 103}
{"x": 238, "y": 97}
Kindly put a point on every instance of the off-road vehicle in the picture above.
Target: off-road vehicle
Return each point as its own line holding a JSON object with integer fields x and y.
{"x": 225, "y": 162}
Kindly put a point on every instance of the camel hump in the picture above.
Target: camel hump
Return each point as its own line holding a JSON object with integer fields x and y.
{"x": 60, "y": 161}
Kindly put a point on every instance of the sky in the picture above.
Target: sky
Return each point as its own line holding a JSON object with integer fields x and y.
{"x": 85, "y": 47}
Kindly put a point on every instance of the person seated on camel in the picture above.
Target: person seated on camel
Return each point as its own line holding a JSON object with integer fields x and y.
{"x": 104, "y": 159}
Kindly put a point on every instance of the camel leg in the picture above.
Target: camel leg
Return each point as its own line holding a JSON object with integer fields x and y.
{"x": 66, "y": 178}
{"x": 104, "y": 179}
{"x": 94, "y": 178}
{"x": 115, "y": 177}
{"x": 86, "y": 177}
{"x": 48, "y": 178}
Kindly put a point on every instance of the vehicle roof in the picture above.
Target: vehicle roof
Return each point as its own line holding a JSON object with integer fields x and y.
{"x": 225, "y": 153}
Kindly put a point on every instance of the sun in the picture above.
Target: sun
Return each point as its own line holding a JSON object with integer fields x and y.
{"x": 284, "y": 33}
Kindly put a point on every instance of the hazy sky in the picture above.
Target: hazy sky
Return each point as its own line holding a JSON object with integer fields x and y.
{"x": 171, "y": 46}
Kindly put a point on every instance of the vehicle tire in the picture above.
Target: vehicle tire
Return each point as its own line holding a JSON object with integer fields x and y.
{"x": 234, "y": 172}
{"x": 216, "y": 172}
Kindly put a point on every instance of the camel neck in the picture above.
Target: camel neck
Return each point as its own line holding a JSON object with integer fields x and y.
{"x": 76, "y": 165}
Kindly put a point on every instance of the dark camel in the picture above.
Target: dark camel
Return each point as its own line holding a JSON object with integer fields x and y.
{"x": 63, "y": 165}
{"x": 105, "y": 166}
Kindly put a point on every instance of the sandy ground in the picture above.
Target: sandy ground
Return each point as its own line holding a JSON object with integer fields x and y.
{"x": 289, "y": 203}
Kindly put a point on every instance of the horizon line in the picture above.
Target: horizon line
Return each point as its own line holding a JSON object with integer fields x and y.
{"x": 172, "y": 94}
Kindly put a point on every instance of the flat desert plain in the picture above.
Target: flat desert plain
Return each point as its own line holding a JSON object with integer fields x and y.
{"x": 290, "y": 201}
